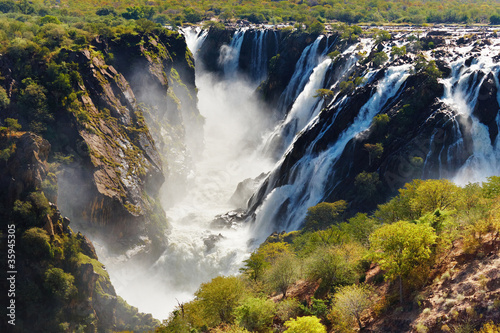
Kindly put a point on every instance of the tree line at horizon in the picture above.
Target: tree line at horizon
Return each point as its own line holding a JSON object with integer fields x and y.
{"x": 176, "y": 13}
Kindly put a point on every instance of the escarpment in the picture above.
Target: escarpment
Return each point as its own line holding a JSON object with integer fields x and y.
{"x": 59, "y": 284}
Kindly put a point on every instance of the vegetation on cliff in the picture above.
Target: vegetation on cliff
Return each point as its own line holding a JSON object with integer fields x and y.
{"x": 334, "y": 271}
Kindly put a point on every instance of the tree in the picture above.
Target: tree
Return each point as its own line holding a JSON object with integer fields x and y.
{"x": 400, "y": 247}
{"x": 12, "y": 125}
{"x": 324, "y": 94}
{"x": 375, "y": 151}
{"x": 254, "y": 266}
{"x": 380, "y": 58}
{"x": 306, "y": 324}
{"x": 219, "y": 297}
{"x": 495, "y": 19}
{"x": 4, "y": 98}
{"x": 366, "y": 184}
{"x": 323, "y": 215}
{"x": 398, "y": 51}
{"x": 491, "y": 188}
{"x": 282, "y": 273}
{"x": 256, "y": 314}
{"x": 59, "y": 283}
{"x": 351, "y": 301}
{"x": 272, "y": 251}
{"x": 334, "y": 265}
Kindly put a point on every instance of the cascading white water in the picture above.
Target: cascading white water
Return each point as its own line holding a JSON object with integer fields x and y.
{"x": 230, "y": 54}
{"x": 305, "y": 65}
{"x": 197, "y": 252}
{"x": 305, "y": 107}
{"x": 302, "y": 193}
{"x": 461, "y": 94}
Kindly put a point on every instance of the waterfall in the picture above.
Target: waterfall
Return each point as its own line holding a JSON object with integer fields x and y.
{"x": 461, "y": 95}
{"x": 288, "y": 204}
{"x": 305, "y": 108}
{"x": 303, "y": 69}
{"x": 230, "y": 54}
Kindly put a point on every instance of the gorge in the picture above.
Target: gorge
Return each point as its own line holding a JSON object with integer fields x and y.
{"x": 178, "y": 153}
{"x": 301, "y": 150}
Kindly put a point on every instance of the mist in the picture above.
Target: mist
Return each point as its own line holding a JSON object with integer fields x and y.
{"x": 197, "y": 252}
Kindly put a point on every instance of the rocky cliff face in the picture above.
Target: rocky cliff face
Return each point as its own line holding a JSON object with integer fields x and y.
{"x": 59, "y": 285}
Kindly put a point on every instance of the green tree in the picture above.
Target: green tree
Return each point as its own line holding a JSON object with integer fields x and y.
{"x": 351, "y": 301}
{"x": 59, "y": 283}
{"x": 219, "y": 297}
{"x": 4, "y": 98}
{"x": 256, "y": 314}
{"x": 324, "y": 94}
{"x": 334, "y": 265}
{"x": 375, "y": 151}
{"x": 398, "y": 51}
{"x": 366, "y": 184}
{"x": 255, "y": 266}
{"x": 323, "y": 215}
{"x": 380, "y": 58}
{"x": 400, "y": 247}
{"x": 282, "y": 273}
{"x": 12, "y": 125}
{"x": 491, "y": 188}
{"x": 306, "y": 324}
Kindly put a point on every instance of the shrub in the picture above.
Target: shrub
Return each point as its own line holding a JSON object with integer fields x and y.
{"x": 219, "y": 297}
{"x": 256, "y": 314}
{"x": 307, "y": 324}
{"x": 59, "y": 283}
{"x": 324, "y": 214}
{"x": 36, "y": 243}
{"x": 352, "y": 301}
{"x": 282, "y": 273}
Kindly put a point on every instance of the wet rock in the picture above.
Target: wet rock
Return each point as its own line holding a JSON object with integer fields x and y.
{"x": 228, "y": 220}
{"x": 211, "y": 240}
{"x": 245, "y": 190}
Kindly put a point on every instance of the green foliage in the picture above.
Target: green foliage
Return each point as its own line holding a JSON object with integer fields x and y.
{"x": 139, "y": 12}
{"x": 316, "y": 28}
{"x": 272, "y": 251}
{"x": 359, "y": 228}
{"x": 255, "y": 266}
{"x": 333, "y": 55}
{"x": 491, "y": 188}
{"x": 218, "y": 299}
{"x": 283, "y": 273}
{"x": 398, "y": 51}
{"x": 36, "y": 243}
{"x": 380, "y": 58}
{"x": 323, "y": 215}
{"x": 12, "y": 124}
{"x": 288, "y": 308}
{"x": 4, "y": 98}
{"x": 400, "y": 247}
{"x": 59, "y": 283}
{"x": 381, "y": 36}
{"x": 256, "y": 314}
{"x": 350, "y": 302}
{"x": 366, "y": 185}
{"x": 334, "y": 266}
{"x": 495, "y": 19}
{"x": 429, "y": 68}
{"x": 49, "y": 19}
{"x": 375, "y": 151}
{"x": 307, "y": 324}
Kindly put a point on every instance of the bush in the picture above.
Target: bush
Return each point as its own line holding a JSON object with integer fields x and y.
{"x": 219, "y": 297}
{"x": 282, "y": 273}
{"x": 256, "y": 314}
{"x": 351, "y": 301}
{"x": 324, "y": 215}
{"x": 36, "y": 243}
{"x": 307, "y": 324}
{"x": 59, "y": 283}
